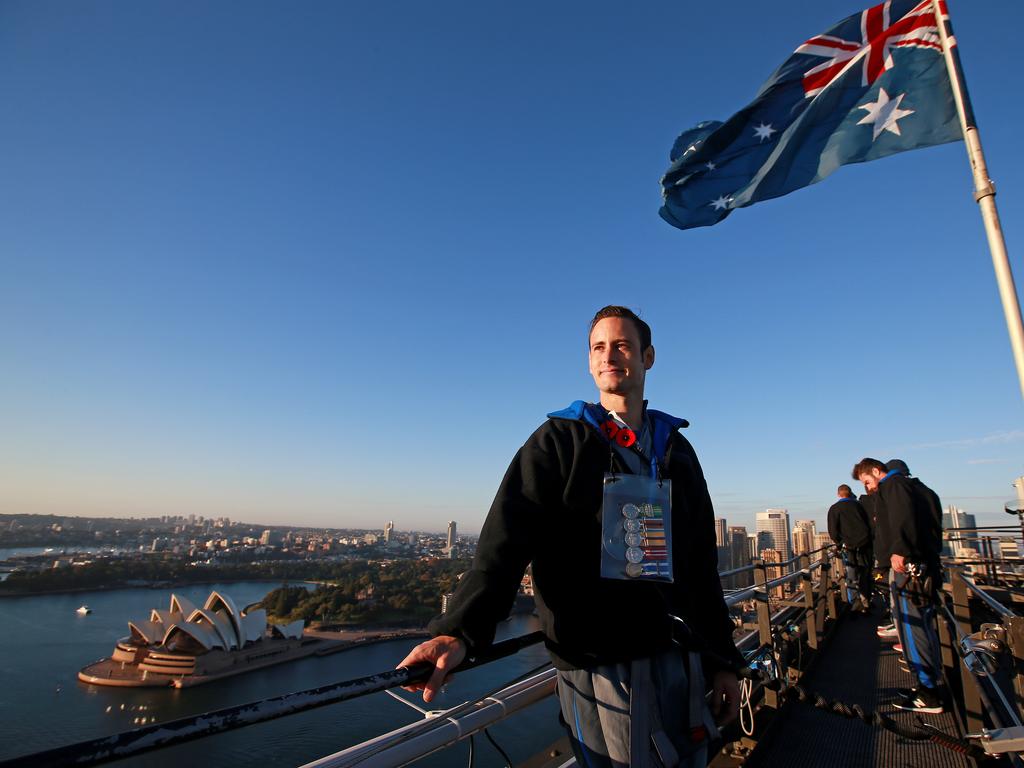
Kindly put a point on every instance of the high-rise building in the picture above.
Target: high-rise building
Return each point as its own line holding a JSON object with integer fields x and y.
{"x": 389, "y": 528}
{"x": 739, "y": 557}
{"x": 821, "y": 540}
{"x": 721, "y": 536}
{"x": 724, "y": 558}
{"x": 752, "y": 548}
{"x": 802, "y": 541}
{"x": 810, "y": 525}
{"x": 267, "y": 538}
{"x": 774, "y": 523}
{"x": 451, "y": 534}
{"x": 771, "y": 555}
{"x": 959, "y": 544}
{"x": 722, "y": 542}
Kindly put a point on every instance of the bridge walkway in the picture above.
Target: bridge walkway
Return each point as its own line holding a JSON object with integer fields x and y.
{"x": 856, "y": 668}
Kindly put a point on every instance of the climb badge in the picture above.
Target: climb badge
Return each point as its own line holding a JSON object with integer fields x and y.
{"x": 636, "y": 541}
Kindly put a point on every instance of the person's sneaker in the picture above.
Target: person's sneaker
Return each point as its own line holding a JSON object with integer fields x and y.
{"x": 906, "y": 693}
{"x": 887, "y": 633}
{"x": 898, "y": 648}
{"x": 924, "y": 701}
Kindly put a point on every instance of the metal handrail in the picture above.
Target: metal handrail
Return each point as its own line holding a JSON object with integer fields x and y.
{"x": 990, "y": 601}
{"x": 441, "y": 729}
{"x": 795, "y": 558}
{"x": 986, "y": 701}
{"x": 736, "y": 571}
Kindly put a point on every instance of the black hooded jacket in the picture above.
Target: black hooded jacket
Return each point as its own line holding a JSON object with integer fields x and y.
{"x": 848, "y": 524}
{"x": 907, "y": 522}
{"x": 547, "y": 512}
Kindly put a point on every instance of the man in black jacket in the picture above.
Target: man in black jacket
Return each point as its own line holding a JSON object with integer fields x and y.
{"x": 934, "y": 504}
{"x": 850, "y": 529}
{"x": 911, "y": 544}
{"x": 612, "y": 640}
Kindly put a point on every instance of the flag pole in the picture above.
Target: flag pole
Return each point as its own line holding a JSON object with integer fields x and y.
{"x": 985, "y": 196}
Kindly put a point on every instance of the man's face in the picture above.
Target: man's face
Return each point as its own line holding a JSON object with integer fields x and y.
{"x": 871, "y": 479}
{"x": 617, "y": 363}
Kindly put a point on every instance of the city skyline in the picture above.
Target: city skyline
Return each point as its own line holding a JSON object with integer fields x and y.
{"x": 283, "y": 279}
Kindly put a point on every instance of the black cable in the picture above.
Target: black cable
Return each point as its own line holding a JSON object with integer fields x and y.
{"x": 471, "y": 750}
{"x": 508, "y": 760}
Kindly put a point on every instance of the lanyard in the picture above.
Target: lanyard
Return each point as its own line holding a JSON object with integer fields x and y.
{"x": 625, "y": 437}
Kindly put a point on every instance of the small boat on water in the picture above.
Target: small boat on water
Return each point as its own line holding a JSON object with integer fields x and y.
{"x": 83, "y": 610}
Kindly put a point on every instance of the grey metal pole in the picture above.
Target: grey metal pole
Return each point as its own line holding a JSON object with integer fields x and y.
{"x": 985, "y": 196}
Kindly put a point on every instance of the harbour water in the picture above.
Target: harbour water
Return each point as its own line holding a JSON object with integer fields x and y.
{"x": 43, "y": 705}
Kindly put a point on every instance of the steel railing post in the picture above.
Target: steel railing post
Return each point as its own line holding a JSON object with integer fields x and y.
{"x": 828, "y": 579}
{"x": 947, "y": 638}
{"x": 764, "y": 620}
{"x": 973, "y": 711}
{"x": 1015, "y": 639}
{"x": 810, "y": 619}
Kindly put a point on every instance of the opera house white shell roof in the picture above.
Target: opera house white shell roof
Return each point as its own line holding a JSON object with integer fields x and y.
{"x": 218, "y": 624}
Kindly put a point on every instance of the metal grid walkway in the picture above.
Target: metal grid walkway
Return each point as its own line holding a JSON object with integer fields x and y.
{"x": 857, "y": 668}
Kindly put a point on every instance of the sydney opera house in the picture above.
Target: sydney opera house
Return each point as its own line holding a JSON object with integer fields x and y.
{"x": 186, "y": 645}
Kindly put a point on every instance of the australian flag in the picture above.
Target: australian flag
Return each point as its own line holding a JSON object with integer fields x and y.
{"x": 872, "y": 85}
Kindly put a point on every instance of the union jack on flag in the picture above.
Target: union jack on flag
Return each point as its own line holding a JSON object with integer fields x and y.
{"x": 873, "y": 45}
{"x": 872, "y": 85}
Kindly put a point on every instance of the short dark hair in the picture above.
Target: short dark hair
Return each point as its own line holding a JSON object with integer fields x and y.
{"x": 864, "y": 467}
{"x": 898, "y": 464}
{"x": 613, "y": 310}
{"x": 845, "y": 491}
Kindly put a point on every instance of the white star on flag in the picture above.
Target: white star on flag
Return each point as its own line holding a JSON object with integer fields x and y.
{"x": 721, "y": 203}
{"x": 764, "y": 131}
{"x": 884, "y": 113}
{"x": 710, "y": 166}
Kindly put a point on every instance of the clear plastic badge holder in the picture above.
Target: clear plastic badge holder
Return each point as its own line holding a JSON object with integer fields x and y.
{"x": 636, "y": 522}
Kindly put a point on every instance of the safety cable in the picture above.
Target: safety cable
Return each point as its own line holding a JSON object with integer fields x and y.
{"x": 746, "y": 708}
{"x": 508, "y": 760}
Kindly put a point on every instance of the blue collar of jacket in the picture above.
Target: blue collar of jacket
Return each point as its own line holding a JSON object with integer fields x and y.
{"x": 847, "y": 498}
{"x": 594, "y": 414}
{"x": 890, "y": 473}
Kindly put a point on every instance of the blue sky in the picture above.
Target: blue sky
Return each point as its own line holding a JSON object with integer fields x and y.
{"x": 331, "y": 263}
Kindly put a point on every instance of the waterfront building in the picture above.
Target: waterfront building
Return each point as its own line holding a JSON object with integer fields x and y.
{"x": 185, "y": 644}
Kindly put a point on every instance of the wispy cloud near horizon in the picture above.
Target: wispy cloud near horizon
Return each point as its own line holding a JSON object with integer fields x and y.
{"x": 996, "y": 438}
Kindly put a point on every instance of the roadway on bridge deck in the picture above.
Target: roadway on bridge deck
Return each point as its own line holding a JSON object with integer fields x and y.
{"x": 856, "y": 668}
